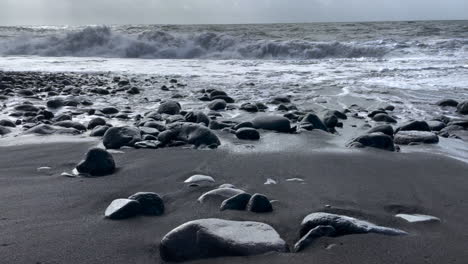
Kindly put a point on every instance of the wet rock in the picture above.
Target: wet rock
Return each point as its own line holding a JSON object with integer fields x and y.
{"x": 315, "y": 122}
{"x": 225, "y": 98}
{"x": 247, "y": 133}
{"x": 71, "y": 124}
{"x": 26, "y": 108}
{"x": 344, "y": 225}
{"x": 330, "y": 121}
{"x": 337, "y": 113}
{"x": 237, "y": 202}
{"x": 281, "y": 100}
{"x": 217, "y": 125}
{"x": 259, "y": 203}
{"x": 4, "y": 130}
{"x": 63, "y": 117}
{"x": 170, "y": 108}
{"x": 150, "y": 203}
{"x": 375, "y": 140}
{"x": 7, "y": 123}
{"x": 133, "y": 90}
{"x": 414, "y": 126}
{"x": 462, "y": 108}
{"x": 450, "y": 130}
{"x": 44, "y": 129}
{"x": 411, "y": 137}
{"x": 197, "y": 117}
{"x": 194, "y": 134}
{"x": 447, "y": 102}
{"x": 122, "y": 209}
{"x": 386, "y": 129}
{"x": 210, "y": 238}
{"x": 117, "y": 137}
{"x": 55, "y": 103}
{"x": 272, "y": 122}
{"x": 98, "y": 121}
{"x": 436, "y": 125}
{"x": 384, "y": 118}
{"x": 251, "y": 108}
{"x": 98, "y": 162}
{"x": 243, "y": 124}
{"x": 149, "y": 131}
{"x": 99, "y": 131}
{"x": 376, "y": 112}
{"x": 217, "y": 104}
{"x": 110, "y": 110}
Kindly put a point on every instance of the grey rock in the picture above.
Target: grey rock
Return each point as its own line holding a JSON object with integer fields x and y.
{"x": 272, "y": 122}
{"x": 150, "y": 203}
{"x": 210, "y": 238}
{"x": 117, "y": 137}
{"x": 411, "y": 137}
{"x": 237, "y": 202}
{"x": 98, "y": 162}
{"x": 122, "y": 209}
{"x": 247, "y": 133}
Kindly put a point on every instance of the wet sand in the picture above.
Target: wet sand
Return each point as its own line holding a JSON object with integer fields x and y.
{"x": 48, "y": 218}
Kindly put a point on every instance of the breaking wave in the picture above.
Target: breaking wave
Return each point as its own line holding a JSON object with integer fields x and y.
{"x": 104, "y": 42}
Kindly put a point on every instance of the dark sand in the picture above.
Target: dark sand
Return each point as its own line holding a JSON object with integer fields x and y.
{"x": 48, "y": 218}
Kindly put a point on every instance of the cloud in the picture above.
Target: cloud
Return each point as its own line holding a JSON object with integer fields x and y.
{"x": 223, "y": 11}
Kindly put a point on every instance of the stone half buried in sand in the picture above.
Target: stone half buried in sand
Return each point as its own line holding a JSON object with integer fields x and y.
{"x": 219, "y": 194}
{"x": 98, "y": 162}
{"x": 122, "y": 209}
{"x": 417, "y": 218}
{"x": 415, "y": 137}
{"x": 199, "y": 180}
{"x": 210, "y": 238}
{"x": 344, "y": 225}
{"x": 44, "y": 129}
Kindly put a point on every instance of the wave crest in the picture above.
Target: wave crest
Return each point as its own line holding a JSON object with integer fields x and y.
{"x": 103, "y": 42}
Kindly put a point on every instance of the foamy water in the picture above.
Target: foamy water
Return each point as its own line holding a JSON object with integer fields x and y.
{"x": 408, "y": 64}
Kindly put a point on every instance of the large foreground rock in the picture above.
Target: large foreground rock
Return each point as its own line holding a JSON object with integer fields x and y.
{"x": 98, "y": 162}
{"x": 117, "y": 137}
{"x": 209, "y": 238}
{"x": 344, "y": 225}
{"x": 409, "y": 137}
{"x": 272, "y": 122}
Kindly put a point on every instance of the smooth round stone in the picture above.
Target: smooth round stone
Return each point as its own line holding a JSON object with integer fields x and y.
{"x": 384, "y": 118}
{"x": 247, "y": 133}
{"x": 272, "y": 122}
{"x": 218, "y": 104}
{"x": 237, "y": 202}
{"x": 259, "y": 204}
{"x": 151, "y": 203}
{"x": 122, "y": 208}
{"x": 98, "y": 162}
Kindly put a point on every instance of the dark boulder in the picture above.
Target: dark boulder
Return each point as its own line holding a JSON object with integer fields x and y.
{"x": 98, "y": 162}
{"x": 386, "y": 129}
{"x": 197, "y": 117}
{"x": 117, "y": 137}
{"x": 248, "y": 133}
{"x": 194, "y": 134}
{"x": 384, "y": 118}
{"x": 315, "y": 122}
{"x": 151, "y": 203}
{"x": 447, "y": 102}
{"x": 7, "y": 123}
{"x": 71, "y": 124}
{"x": 259, "y": 203}
{"x": 414, "y": 126}
{"x": 4, "y": 130}
{"x": 217, "y": 104}
{"x": 169, "y": 107}
{"x": 272, "y": 122}
{"x": 98, "y": 121}
{"x": 375, "y": 140}
{"x": 55, "y": 103}
{"x": 462, "y": 108}
{"x": 237, "y": 202}
{"x": 99, "y": 131}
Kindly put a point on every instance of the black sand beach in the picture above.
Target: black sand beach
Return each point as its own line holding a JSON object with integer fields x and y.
{"x": 48, "y": 218}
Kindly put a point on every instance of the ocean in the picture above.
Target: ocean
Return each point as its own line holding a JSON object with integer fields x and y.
{"x": 410, "y": 65}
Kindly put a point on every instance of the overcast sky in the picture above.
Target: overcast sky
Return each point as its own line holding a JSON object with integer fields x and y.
{"x": 48, "y": 12}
